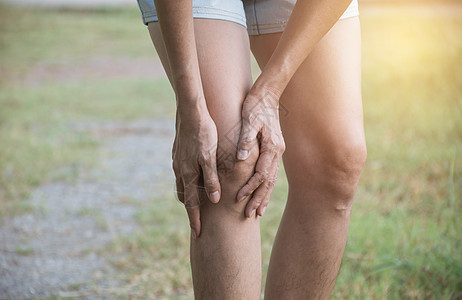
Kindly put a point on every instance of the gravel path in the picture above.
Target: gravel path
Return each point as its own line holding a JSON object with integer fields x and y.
{"x": 52, "y": 251}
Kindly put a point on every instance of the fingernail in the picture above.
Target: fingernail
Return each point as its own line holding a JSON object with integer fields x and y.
{"x": 215, "y": 197}
{"x": 242, "y": 154}
{"x": 263, "y": 211}
{"x": 243, "y": 198}
{"x": 193, "y": 233}
{"x": 252, "y": 213}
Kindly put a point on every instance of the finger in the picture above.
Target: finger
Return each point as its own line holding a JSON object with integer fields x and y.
{"x": 192, "y": 203}
{"x": 180, "y": 189}
{"x": 262, "y": 208}
{"x": 272, "y": 181}
{"x": 264, "y": 191}
{"x": 178, "y": 182}
{"x": 247, "y": 139}
{"x": 261, "y": 174}
{"x": 211, "y": 181}
{"x": 255, "y": 201}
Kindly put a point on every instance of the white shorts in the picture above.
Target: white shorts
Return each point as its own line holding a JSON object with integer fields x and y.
{"x": 258, "y": 16}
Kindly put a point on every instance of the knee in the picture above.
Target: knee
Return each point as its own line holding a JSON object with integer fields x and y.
{"x": 233, "y": 174}
{"x": 329, "y": 175}
{"x": 342, "y": 168}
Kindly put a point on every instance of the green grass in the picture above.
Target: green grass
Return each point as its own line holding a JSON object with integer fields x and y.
{"x": 31, "y": 34}
{"x": 24, "y": 250}
{"x": 36, "y": 117}
{"x": 404, "y": 240}
{"x": 36, "y": 121}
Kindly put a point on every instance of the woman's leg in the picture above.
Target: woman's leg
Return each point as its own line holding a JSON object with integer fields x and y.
{"x": 325, "y": 153}
{"x": 226, "y": 258}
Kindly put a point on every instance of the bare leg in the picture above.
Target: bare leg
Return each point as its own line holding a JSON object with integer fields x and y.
{"x": 323, "y": 160}
{"x": 226, "y": 258}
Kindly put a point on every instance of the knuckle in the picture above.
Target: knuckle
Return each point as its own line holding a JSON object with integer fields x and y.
{"x": 269, "y": 141}
{"x": 274, "y": 150}
{"x": 203, "y": 158}
{"x": 175, "y": 167}
{"x": 275, "y": 140}
{"x": 257, "y": 201}
{"x": 206, "y": 155}
{"x": 247, "y": 140}
{"x": 261, "y": 176}
{"x": 282, "y": 146}
{"x": 210, "y": 183}
{"x": 250, "y": 117}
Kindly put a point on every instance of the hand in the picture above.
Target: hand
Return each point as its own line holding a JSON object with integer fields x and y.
{"x": 194, "y": 155}
{"x": 260, "y": 123}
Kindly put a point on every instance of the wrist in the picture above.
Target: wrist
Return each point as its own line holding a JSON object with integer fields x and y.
{"x": 190, "y": 97}
{"x": 191, "y": 107}
{"x": 276, "y": 74}
{"x": 188, "y": 88}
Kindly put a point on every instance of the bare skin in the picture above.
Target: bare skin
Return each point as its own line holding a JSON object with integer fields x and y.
{"x": 309, "y": 22}
{"x": 325, "y": 154}
{"x": 226, "y": 259}
{"x": 228, "y": 144}
{"x": 195, "y": 147}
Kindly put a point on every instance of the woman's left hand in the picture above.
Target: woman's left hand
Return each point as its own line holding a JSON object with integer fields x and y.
{"x": 260, "y": 127}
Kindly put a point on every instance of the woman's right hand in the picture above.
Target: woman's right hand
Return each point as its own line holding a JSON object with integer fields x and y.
{"x": 194, "y": 155}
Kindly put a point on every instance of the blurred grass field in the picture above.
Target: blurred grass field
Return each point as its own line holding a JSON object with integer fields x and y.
{"x": 405, "y": 237}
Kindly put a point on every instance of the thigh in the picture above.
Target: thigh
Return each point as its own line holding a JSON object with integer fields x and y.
{"x": 224, "y": 60}
{"x": 324, "y": 120}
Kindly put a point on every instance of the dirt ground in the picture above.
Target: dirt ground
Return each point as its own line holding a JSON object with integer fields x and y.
{"x": 93, "y": 67}
{"x": 53, "y": 250}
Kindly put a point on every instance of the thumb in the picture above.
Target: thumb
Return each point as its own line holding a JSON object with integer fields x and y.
{"x": 247, "y": 139}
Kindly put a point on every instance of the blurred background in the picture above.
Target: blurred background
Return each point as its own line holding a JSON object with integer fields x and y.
{"x": 87, "y": 205}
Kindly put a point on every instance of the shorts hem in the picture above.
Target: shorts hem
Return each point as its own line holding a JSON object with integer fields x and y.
{"x": 200, "y": 12}
{"x": 255, "y": 29}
